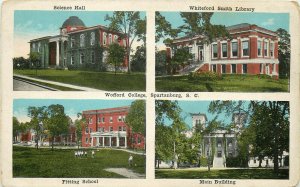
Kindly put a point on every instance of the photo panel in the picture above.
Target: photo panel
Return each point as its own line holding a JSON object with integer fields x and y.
{"x": 225, "y": 140}
{"x": 222, "y": 52}
{"x": 79, "y": 50}
{"x": 68, "y": 138}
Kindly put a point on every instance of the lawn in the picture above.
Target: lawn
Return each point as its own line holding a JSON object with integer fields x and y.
{"x": 99, "y": 80}
{"x": 221, "y": 174}
{"x": 228, "y": 83}
{"x": 29, "y": 162}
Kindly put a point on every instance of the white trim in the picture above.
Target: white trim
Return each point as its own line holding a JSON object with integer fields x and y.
{"x": 268, "y": 48}
{"x": 244, "y": 40}
{"x": 246, "y": 61}
{"x": 273, "y": 43}
{"x": 261, "y": 51}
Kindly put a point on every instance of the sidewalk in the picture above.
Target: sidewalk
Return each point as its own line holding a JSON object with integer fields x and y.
{"x": 59, "y": 84}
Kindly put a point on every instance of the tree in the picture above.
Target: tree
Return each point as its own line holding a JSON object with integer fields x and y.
{"x": 20, "y": 63}
{"x": 131, "y": 24}
{"x": 57, "y": 122}
{"x": 136, "y": 117}
{"x": 160, "y": 62}
{"x": 180, "y": 57}
{"x": 163, "y": 28}
{"x": 198, "y": 23}
{"x": 138, "y": 61}
{"x": 35, "y": 60}
{"x": 38, "y": 116}
{"x": 80, "y": 122}
{"x": 116, "y": 54}
{"x": 16, "y": 129}
{"x": 284, "y": 52}
{"x": 169, "y": 135}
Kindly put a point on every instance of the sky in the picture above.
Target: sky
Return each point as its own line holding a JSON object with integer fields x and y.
{"x": 31, "y": 24}
{"x": 271, "y": 21}
{"x": 72, "y": 106}
{"x": 197, "y": 106}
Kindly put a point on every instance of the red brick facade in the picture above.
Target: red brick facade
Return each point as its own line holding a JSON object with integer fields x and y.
{"x": 107, "y": 128}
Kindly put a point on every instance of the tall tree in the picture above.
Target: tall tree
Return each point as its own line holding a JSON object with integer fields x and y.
{"x": 116, "y": 54}
{"x": 136, "y": 117}
{"x": 35, "y": 60}
{"x": 38, "y": 116}
{"x": 199, "y": 23}
{"x": 131, "y": 24}
{"x": 163, "y": 28}
{"x": 284, "y": 52}
{"x": 80, "y": 124}
{"x": 180, "y": 58}
{"x": 16, "y": 129}
{"x": 138, "y": 61}
{"x": 57, "y": 122}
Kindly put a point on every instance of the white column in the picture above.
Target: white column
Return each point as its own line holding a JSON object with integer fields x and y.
{"x": 57, "y": 53}
{"x": 97, "y": 144}
{"x": 118, "y": 141}
{"x": 125, "y": 142}
{"x": 102, "y": 141}
{"x": 92, "y": 142}
{"x": 110, "y": 141}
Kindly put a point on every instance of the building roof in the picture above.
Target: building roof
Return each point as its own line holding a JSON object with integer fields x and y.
{"x": 238, "y": 26}
{"x": 73, "y": 21}
{"x": 107, "y": 110}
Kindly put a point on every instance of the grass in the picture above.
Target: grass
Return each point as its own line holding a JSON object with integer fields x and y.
{"x": 229, "y": 83}
{"x": 99, "y": 80}
{"x": 222, "y": 174}
{"x": 29, "y": 162}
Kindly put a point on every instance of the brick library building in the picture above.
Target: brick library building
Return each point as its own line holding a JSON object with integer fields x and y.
{"x": 249, "y": 50}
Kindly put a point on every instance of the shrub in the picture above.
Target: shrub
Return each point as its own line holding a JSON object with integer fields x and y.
{"x": 236, "y": 162}
{"x": 204, "y": 76}
{"x": 203, "y": 161}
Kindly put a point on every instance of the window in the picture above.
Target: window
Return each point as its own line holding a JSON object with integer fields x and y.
{"x": 259, "y": 48}
{"x": 81, "y": 58}
{"x": 86, "y": 140}
{"x": 245, "y": 45}
{"x": 244, "y": 68}
{"x": 120, "y": 118}
{"x": 110, "y": 119}
{"x": 72, "y": 59}
{"x": 93, "y": 57}
{"x": 91, "y": 130}
{"x": 124, "y": 128}
{"x": 110, "y": 129}
{"x": 104, "y": 56}
{"x": 266, "y": 48}
{"x": 86, "y": 130}
{"x": 110, "y": 39}
{"x": 82, "y": 37}
{"x": 90, "y": 120}
{"x": 90, "y": 140}
{"x": 33, "y": 46}
{"x": 233, "y": 68}
{"x": 215, "y": 50}
{"x": 139, "y": 140}
{"x": 99, "y": 120}
{"x": 120, "y": 128}
{"x": 72, "y": 42}
{"x": 272, "y": 49}
{"x": 224, "y": 50}
{"x": 124, "y": 118}
{"x": 104, "y": 38}
{"x": 214, "y": 67}
{"x": 103, "y": 119}
{"x": 234, "y": 49}
{"x": 115, "y": 38}
{"x": 223, "y": 68}
{"x": 92, "y": 38}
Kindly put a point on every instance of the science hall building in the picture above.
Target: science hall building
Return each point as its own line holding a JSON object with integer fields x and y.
{"x": 250, "y": 49}
{"x": 78, "y": 47}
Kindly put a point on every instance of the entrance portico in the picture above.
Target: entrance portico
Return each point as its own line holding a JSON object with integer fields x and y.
{"x": 56, "y": 44}
{"x": 109, "y": 139}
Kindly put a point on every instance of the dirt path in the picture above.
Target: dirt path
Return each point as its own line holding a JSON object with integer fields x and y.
{"x": 126, "y": 173}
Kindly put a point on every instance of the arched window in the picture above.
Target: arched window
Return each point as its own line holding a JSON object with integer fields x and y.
{"x": 115, "y": 38}
{"x": 81, "y": 58}
{"x": 92, "y": 38}
{"x": 104, "y": 38}
{"x": 82, "y": 40}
